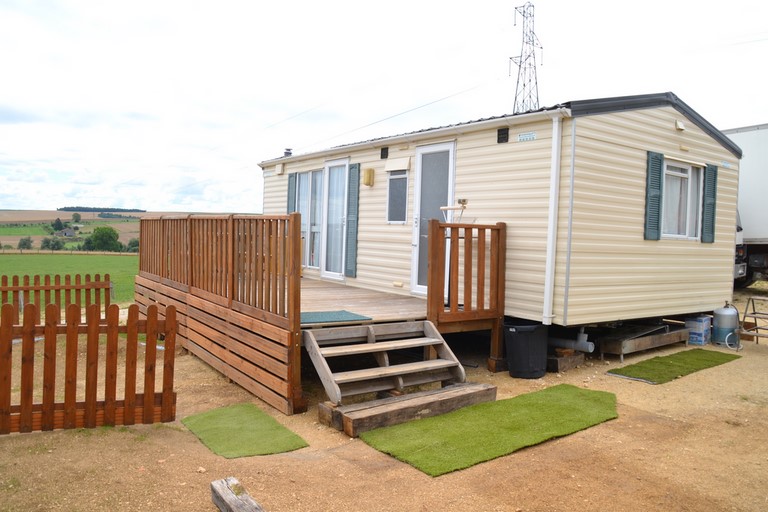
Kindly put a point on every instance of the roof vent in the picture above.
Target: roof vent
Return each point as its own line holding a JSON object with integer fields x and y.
{"x": 288, "y": 152}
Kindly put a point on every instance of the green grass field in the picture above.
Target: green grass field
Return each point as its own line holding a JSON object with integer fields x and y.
{"x": 121, "y": 268}
{"x": 23, "y": 230}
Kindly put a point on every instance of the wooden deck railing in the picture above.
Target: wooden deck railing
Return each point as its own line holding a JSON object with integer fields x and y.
{"x": 466, "y": 281}
{"x": 235, "y": 280}
{"x": 31, "y": 399}
{"x": 62, "y": 291}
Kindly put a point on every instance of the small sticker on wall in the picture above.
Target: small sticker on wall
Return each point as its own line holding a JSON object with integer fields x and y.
{"x": 526, "y": 137}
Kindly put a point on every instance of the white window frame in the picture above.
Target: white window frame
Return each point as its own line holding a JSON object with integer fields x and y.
{"x": 402, "y": 174}
{"x": 324, "y": 252}
{"x": 694, "y": 195}
{"x": 316, "y": 193}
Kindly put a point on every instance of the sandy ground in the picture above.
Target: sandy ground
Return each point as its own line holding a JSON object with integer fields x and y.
{"x": 699, "y": 443}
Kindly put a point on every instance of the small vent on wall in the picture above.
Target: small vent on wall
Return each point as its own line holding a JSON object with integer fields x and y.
{"x": 384, "y": 153}
{"x": 502, "y": 135}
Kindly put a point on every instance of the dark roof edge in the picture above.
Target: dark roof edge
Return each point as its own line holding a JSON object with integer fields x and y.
{"x": 619, "y": 103}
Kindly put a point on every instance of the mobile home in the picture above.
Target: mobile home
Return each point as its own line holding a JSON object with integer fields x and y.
{"x": 615, "y": 208}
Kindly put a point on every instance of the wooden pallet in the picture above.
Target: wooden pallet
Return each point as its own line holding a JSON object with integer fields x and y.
{"x": 354, "y": 419}
{"x": 643, "y": 338}
{"x": 383, "y": 372}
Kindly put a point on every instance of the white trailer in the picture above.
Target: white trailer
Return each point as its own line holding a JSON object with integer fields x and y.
{"x": 753, "y": 213}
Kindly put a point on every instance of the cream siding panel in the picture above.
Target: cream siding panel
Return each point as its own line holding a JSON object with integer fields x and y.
{"x": 615, "y": 274}
{"x": 509, "y": 183}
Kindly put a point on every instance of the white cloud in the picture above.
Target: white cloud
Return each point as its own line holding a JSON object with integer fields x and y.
{"x": 171, "y": 105}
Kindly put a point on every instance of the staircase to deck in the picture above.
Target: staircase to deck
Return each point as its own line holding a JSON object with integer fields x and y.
{"x": 358, "y": 360}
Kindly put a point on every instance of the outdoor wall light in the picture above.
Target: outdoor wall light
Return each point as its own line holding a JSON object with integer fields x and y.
{"x": 368, "y": 177}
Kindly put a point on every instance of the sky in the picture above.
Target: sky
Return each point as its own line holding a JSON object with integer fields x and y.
{"x": 170, "y": 105}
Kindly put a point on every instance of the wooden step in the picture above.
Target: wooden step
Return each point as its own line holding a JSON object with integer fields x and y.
{"x": 392, "y": 371}
{"x": 439, "y": 364}
{"x": 354, "y": 419}
{"x": 381, "y": 346}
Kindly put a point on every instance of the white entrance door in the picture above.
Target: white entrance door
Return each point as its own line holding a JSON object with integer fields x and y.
{"x": 434, "y": 188}
{"x": 335, "y": 218}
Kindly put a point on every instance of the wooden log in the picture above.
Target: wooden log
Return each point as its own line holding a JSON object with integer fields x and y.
{"x": 230, "y": 496}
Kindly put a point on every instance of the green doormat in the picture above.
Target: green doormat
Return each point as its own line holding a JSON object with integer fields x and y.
{"x": 659, "y": 370}
{"x": 242, "y": 430}
{"x": 321, "y": 317}
{"x": 485, "y": 431}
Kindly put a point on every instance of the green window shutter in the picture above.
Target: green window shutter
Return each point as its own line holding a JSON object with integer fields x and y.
{"x": 710, "y": 202}
{"x": 353, "y": 193}
{"x": 654, "y": 186}
{"x": 292, "y": 192}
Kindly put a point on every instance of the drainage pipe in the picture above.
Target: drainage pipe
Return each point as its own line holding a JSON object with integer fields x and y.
{"x": 580, "y": 345}
{"x": 547, "y": 314}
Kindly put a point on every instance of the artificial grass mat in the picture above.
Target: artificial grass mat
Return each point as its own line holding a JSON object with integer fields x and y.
{"x": 661, "y": 369}
{"x": 488, "y": 430}
{"x": 242, "y": 430}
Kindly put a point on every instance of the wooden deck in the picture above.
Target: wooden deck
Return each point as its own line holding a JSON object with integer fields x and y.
{"x": 380, "y": 307}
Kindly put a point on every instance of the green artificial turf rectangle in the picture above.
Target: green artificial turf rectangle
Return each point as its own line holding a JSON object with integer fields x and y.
{"x": 661, "y": 369}
{"x": 242, "y": 430}
{"x": 485, "y": 431}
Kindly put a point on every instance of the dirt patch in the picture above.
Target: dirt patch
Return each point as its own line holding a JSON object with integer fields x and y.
{"x": 697, "y": 443}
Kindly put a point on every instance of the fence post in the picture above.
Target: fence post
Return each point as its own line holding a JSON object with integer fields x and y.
{"x": 52, "y": 316}
{"x": 27, "y": 368}
{"x": 6, "y": 345}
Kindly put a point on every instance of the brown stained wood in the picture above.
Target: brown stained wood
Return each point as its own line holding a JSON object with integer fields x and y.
{"x": 391, "y": 371}
{"x": 70, "y": 367}
{"x": 3, "y": 289}
{"x": 246, "y": 322}
{"x": 110, "y": 365}
{"x": 242, "y": 365}
{"x": 236, "y": 345}
{"x": 40, "y": 291}
{"x": 453, "y": 271}
{"x": 379, "y": 346}
{"x": 27, "y": 367}
{"x": 86, "y": 293}
{"x": 131, "y": 352}
{"x": 228, "y": 326}
{"x": 39, "y": 307}
{"x": 168, "y": 412}
{"x": 150, "y": 361}
{"x": 73, "y": 413}
{"x": 6, "y": 346}
{"x": 468, "y": 266}
{"x": 52, "y": 313}
{"x": 274, "y": 399}
{"x": 91, "y": 365}
{"x": 481, "y": 265}
{"x": 230, "y": 258}
{"x": 293, "y": 311}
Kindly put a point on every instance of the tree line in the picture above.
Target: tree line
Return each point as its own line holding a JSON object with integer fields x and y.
{"x": 103, "y": 238}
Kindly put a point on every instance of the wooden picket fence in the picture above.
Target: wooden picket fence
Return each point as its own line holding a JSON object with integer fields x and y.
{"x": 31, "y": 403}
{"x": 60, "y": 290}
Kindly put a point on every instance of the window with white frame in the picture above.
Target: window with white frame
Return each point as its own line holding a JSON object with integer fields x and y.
{"x": 397, "y": 199}
{"x": 682, "y": 200}
{"x": 309, "y": 202}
